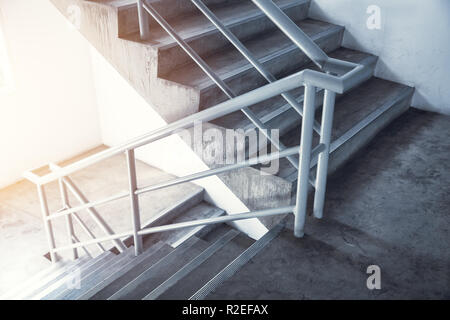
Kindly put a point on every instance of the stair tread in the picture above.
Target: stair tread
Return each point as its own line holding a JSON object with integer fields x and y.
{"x": 43, "y": 290}
{"x": 196, "y": 25}
{"x": 52, "y": 293}
{"x": 103, "y": 271}
{"x": 352, "y": 108}
{"x": 272, "y": 109}
{"x": 195, "y": 279}
{"x": 44, "y": 278}
{"x": 357, "y": 104}
{"x": 200, "y": 211}
{"x": 231, "y": 63}
{"x": 160, "y": 271}
{"x": 129, "y": 272}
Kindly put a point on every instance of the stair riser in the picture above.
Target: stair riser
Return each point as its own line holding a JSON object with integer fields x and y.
{"x": 169, "y": 9}
{"x": 172, "y": 57}
{"x": 250, "y": 79}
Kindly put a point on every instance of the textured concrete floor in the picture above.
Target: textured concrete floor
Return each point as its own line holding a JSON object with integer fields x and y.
{"x": 389, "y": 207}
{"x": 22, "y": 238}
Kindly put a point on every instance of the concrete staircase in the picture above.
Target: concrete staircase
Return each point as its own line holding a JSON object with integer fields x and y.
{"x": 158, "y": 68}
{"x": 189, "y": 271}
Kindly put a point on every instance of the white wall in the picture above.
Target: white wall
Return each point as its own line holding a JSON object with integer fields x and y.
{"x": 413, "y": 43}
{"x": 50, "y": 113}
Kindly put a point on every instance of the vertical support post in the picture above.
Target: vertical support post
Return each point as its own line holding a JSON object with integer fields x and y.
{"x": 69, "y": 222}
{"x": 136, "y": 220}
{"x": 144, "y": 23}
{"x": 322, "y": 164}
{"x": 305, "y": 160}
{"x": 47, "y": 223}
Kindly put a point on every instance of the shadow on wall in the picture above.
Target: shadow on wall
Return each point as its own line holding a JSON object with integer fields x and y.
{"x": 409, "y": 36}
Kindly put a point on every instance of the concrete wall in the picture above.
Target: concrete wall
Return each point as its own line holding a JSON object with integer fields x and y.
{"x": 125, "y": 115}
{"x": 412, "y": 42}
{"x": 49, "y": 113}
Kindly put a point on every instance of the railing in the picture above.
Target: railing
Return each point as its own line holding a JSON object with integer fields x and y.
{"x": 338, "y": 77}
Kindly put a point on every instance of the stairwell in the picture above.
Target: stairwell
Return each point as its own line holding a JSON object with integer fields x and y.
{"x": 158, "y": 68}
{"x": 192, "y": 263}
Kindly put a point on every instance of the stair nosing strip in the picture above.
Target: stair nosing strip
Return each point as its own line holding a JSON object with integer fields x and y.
{"x": 121, "y": 258}
{"x": 359, "y": 126}
{"x": 54, "y": 286}
{"x": 367, "y": 120}
{"x": 37, "y": 290}
{"x": 191, "y": 266}
{"x": 237, "y": 263}
{"x": 107, "y": 258}
{"x": 126, "y": 268}
{"x": 46, "y": 274}
{"x": 187, "y": 246}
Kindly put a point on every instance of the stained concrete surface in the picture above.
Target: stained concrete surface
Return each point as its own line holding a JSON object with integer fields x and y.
{"x": 389, "y": 207}
{"x": 22, "y": 237}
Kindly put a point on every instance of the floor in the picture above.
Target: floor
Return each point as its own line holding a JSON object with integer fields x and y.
{"x": 22, "y": 238}
{"x": 389, "y": 207}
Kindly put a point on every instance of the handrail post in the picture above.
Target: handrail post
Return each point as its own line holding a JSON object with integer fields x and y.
{"x": 134, "y": 198}
{"x": 322, "y": 165}
{"x": 305, "y": 160}
{"x": 69, "y": 222}
{"x": 47, "y": 223}
{"x": 144, "y": 23}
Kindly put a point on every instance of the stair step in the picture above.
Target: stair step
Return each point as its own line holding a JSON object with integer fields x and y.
{"x": 98, "y": 275}
{"x": 188, "y": 269}
{"x": 160, "y": 271}
{"x": 243, "y": 18}
{"x": 174, "y": 238}
{"x": 274, "y": 50}
{"x": 193, "y": 276}
{"x": 169, "y": 9}
{"x": 43, "y": 279}
{"x": 359, "y": 115}
{"x": 81, "y": 270}
{"x": 235, "y": 265}
{"x": 276, "y": 113}
{"x": 213, "y": 232}
{"x": 128, "y": 273}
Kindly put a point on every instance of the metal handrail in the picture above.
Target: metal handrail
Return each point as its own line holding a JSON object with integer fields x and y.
{"x": 215, "y": 78}
{"x": 290, "y": 99}
{"x": 339, "y": 77}
{"x": 338, "y": 84}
